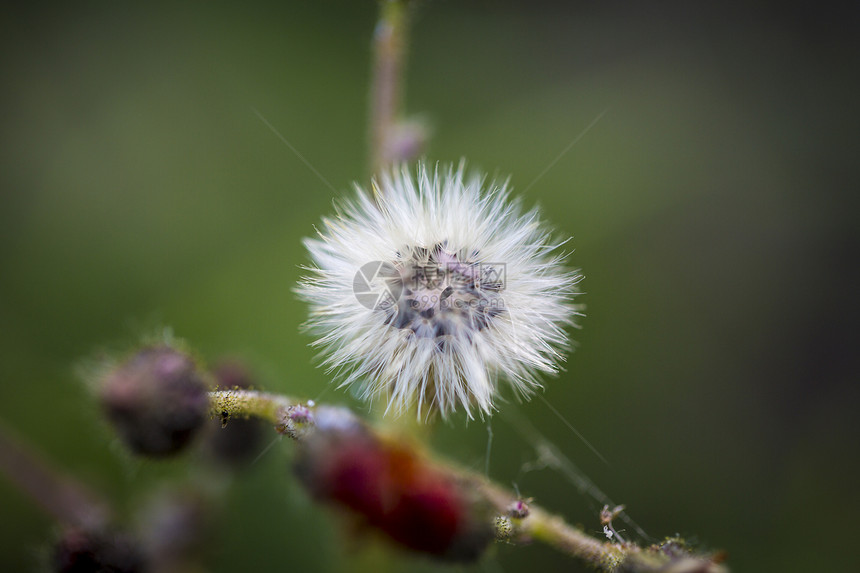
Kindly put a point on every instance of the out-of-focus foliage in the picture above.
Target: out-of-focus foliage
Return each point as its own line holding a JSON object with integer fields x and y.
{"x": 710, "y": 208}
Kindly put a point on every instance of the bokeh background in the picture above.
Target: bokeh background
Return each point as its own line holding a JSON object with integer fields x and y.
{"x": 712, "y": 210}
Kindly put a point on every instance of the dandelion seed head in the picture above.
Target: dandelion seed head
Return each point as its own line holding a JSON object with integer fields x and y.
{"x": 436, "y": 289}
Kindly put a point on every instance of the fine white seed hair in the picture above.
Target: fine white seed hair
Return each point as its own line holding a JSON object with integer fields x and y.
{"x": 434, "y": 289}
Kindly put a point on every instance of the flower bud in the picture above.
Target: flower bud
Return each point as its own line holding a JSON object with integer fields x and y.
{"x": 156, "y": 400}
{"x": 85, "y": 551}
{"x": 392, "y": 488}
{"x": 519, "y": 509}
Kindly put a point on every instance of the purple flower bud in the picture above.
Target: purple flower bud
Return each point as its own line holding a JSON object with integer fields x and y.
{"x": 156, "y": 400}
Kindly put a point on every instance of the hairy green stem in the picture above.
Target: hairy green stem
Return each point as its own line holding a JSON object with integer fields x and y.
{"x": 246, "y": 403}
{"x": 555, "y": 531}
{"x": 545, "y": 527}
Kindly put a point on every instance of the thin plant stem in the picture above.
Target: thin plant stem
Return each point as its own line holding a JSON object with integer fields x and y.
{"x": 59, "y": 495}
{"x": 386, "y": 95}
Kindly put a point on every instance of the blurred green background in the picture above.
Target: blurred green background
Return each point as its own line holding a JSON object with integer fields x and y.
{"x": 712, "y": 210}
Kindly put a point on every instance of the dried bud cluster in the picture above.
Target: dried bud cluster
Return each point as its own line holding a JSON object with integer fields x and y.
{"x": 391, "y": 487}
{"x": 156, "y": 400}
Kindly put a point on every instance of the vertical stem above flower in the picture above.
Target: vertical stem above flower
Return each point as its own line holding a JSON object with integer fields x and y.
{"x": 386, "y": 96}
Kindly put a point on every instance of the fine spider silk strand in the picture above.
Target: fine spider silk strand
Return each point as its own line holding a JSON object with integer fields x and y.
{"x": 550, "y": 456}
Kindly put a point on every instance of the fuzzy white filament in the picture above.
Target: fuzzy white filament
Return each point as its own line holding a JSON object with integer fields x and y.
{"x": 434, "y": 289}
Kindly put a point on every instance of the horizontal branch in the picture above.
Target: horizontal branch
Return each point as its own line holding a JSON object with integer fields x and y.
{"x": 518, "y": 526}
{"x": 246, "y": 403}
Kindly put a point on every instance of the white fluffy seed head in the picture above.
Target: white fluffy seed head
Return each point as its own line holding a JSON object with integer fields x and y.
{"x": 430, "y": 291}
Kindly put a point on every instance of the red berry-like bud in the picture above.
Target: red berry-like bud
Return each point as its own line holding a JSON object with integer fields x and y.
{"x": 156, "y": 400}
{"x": 391, "y": 487}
